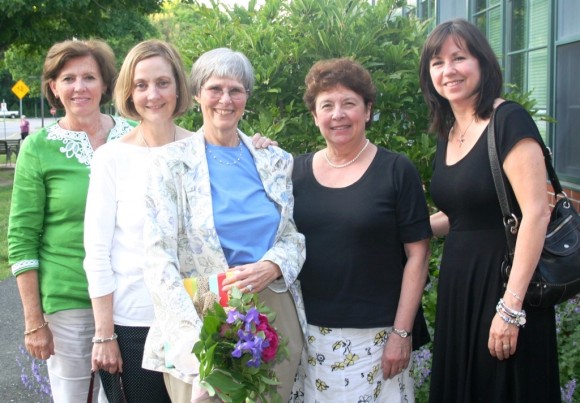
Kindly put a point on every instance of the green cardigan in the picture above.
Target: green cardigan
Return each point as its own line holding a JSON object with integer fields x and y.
{"x": 45, "y": 229}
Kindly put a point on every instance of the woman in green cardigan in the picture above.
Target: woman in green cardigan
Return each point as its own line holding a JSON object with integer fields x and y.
{"x": 45, "y": 233}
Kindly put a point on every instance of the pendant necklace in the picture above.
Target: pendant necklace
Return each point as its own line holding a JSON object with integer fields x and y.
{"x": 346, "y": 163}
{"x": 461, "y": 138}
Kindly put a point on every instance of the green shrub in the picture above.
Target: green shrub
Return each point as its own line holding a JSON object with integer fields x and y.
{"x": 283, "y": 39}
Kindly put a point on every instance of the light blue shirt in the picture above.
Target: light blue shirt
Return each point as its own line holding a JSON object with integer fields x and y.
{"x": 245, "y": 218}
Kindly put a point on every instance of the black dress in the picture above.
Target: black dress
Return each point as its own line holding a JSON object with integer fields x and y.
{"x": 470, "y": 285}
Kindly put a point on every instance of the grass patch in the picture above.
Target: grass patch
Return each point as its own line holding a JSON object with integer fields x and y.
{"x": 6, "y": 178}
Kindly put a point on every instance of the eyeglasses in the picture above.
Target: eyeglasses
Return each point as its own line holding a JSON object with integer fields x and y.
{"x": 236, "y": 93}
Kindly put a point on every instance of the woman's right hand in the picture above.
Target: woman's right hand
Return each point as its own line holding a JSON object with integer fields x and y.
{"x": 39, "y": 344}
{"x": 260, "y": 142}
{"x": 107, "y": 356}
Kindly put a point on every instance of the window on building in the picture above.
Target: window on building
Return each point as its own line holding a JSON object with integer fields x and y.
{"x": 487, "y": 16}
{"x": 424, "y": 9}
{"x": 527, "y": 58}
{"x": 567, "y": 92}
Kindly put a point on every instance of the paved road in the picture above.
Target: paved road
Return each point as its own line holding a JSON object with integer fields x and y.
{"x": 12, "y": 390}
{"x": 11, "y": 327}
{"x": 10, "y": 128}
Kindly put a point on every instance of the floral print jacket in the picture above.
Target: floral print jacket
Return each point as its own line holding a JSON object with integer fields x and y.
{"x": 181, "y": 241}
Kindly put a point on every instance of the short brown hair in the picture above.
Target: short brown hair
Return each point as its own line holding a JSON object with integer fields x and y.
{"x": 327, "y": 74}
{"x": 61, "y": 53}
{"x": 125, "y": 85}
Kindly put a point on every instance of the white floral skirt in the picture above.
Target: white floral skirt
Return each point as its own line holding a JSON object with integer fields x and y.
{"x": 344, "y": 365}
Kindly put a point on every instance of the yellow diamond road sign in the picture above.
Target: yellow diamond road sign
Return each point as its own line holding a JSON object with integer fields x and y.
{"x": 20, "y": 89}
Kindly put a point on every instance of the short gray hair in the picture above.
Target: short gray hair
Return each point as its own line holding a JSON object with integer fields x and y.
{"x": 222, "y": 63}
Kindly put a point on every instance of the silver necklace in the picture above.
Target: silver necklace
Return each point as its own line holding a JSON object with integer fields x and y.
{"x": 145, "y": 141}
{"x": 346, "y": 163}
{"x": 461, "y": 138}
{"x": 238, "y": 158}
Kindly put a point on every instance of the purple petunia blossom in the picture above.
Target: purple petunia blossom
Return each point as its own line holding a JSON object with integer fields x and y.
{"x": 233, "y": 316}
{"x": 568, "y": 391}
{"x": 252, "y": 316}
{"x": 252, "y": 344}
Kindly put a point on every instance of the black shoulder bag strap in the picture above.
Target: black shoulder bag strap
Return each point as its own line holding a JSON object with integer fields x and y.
{"x": 510, "y": 221}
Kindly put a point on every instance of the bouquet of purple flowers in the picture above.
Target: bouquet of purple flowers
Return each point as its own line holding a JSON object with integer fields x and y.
{"x": 237, "y": 350}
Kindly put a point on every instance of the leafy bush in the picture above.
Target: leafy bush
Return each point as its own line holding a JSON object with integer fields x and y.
{"x": 283, "y": 39}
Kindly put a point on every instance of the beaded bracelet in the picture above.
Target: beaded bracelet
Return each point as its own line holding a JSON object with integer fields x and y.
{"x": 27, "y": 332}
{"x": 509, "y": 315}
{"x": 511, "y": 321}
{"x": 104, "y": 340}
{"x": 511, "y": 312}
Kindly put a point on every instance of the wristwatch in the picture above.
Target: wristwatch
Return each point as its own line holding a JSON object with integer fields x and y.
{"x": 401, "y": 333}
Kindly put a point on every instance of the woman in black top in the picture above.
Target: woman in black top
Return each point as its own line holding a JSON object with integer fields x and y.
{"x": 481, "y": 353}
{"x": 363, "y": 213}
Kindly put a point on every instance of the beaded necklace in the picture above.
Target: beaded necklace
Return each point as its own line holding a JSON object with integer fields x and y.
{"x": 346, "y": 163}
{"x": 215, "y": 157}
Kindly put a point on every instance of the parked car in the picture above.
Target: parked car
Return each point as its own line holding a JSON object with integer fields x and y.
{"x": 9, "y": 114}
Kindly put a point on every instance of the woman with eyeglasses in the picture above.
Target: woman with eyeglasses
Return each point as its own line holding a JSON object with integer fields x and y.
{"x": 216, "y": 204}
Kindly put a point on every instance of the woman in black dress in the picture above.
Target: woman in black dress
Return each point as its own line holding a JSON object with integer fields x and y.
{"x": 481, "y": 355}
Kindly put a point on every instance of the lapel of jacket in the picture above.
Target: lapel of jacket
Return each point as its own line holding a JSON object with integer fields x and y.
{"x": 268, "y": 167}
{"x": 197, "y": 196}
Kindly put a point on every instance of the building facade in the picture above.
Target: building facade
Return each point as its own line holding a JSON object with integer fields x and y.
{"x": 538, "y": 46}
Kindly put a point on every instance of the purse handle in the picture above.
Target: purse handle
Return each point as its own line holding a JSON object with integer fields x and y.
{"x": 510, "y": 221}
{"x": 91, "y": 384}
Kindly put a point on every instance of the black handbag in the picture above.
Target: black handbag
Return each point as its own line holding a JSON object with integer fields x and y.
{"x": 557, "y": 277}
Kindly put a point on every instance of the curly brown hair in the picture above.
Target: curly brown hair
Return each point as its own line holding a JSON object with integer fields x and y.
{"x": 327, "y": 74}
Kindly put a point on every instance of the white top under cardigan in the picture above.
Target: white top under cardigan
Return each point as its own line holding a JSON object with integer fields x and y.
{"x": 115, "y": 253}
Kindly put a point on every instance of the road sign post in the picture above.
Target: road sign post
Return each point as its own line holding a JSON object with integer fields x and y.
{"x": 20, "y": 89}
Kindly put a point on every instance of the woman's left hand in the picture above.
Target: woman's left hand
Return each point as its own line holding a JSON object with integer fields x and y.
{"x": 503, "y": 338}
{"x": 252, "y": 277}
{"x": 396, "y": 355}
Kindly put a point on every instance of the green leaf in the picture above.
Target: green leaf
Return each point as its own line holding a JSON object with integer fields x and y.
{"x": 223, "y": 381}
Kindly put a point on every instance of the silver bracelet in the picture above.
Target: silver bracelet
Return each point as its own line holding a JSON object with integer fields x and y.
{"x": 511, "y": 312}
{"x": 508, "y": 320}
{"x": 516, "y": 296}
{"x": 105, "y": 340}
{"x": 513, "y": 317}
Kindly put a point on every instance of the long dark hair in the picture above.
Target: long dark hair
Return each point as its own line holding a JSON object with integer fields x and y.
{"x": 465, "y": 35}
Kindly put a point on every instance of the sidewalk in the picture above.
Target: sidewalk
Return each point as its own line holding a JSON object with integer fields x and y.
{"x": 11, "y": 327}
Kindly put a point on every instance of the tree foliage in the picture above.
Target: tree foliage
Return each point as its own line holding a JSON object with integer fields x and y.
{"x": 40, "y": 23}
{"x": 30, "y": 28}
{"x": 284, "y": 38}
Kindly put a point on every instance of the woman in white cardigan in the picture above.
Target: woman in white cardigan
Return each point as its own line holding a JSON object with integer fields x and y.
{"x": 216, "y": 204}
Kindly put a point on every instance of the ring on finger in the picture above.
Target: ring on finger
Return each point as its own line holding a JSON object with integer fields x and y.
{"x": 506, "y": 346}
{"x": 249, "y": 288}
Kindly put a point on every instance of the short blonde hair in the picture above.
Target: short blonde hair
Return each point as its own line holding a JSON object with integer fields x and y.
{"x": 142, "y": 51}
